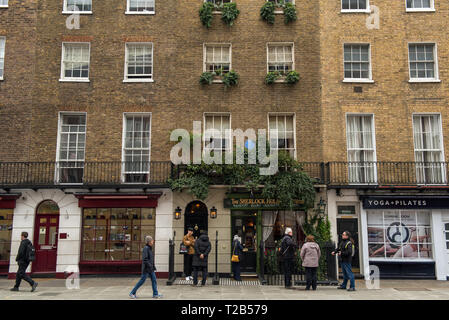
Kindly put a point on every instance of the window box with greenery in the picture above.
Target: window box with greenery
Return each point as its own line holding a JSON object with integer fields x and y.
{"x": 229, "y": 79}
{"x": 291, "y": 77}
{"x": 272, "y": 7}
{"x": 227, "y": 9}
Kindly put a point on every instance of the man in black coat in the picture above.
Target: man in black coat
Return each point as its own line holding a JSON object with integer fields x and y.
{"x": 288, "y": 250}
{"x": 148, "y": 269}
{"x": 346, "y": 251}
{"x": 202, "y": 250}
{"x": 23, "y": 262}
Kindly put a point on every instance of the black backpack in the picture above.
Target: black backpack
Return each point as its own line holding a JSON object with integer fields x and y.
{"x": 31, "y": 252}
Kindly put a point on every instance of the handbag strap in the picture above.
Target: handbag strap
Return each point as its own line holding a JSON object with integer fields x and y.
{"x": 235, "y": 245}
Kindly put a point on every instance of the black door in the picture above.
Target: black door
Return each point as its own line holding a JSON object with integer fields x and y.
{"x": 244, "y": 225}
{"x": 196, "y": 216}
{"x": 352, "y": 226}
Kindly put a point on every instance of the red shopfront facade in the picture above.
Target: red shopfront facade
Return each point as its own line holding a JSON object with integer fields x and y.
{"x": 113, "y": 231}
{"x": 7, "y": 206}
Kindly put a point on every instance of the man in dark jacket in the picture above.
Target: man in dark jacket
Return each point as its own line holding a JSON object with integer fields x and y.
{"x": 148, "y": 269}
{"x": 23, "y": 261}
{"x": 346, "y": 251}
{"x": 287, "y": 251}
{"x": 202, "y": 250}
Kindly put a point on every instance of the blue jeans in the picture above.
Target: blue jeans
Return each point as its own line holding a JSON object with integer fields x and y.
{"x": 236, "y": 270}
{"x": 142, "y": 281}
{"x": 347, "y": 275}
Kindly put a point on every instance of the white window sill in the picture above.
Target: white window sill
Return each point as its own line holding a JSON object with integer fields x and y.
{"x": 4, "y": 7}
{"x": 76, "y": 12}
{"x": 217, "y": 12}
{"x": 137, "y": 80}
{"x": 358, "y": 81}
{"x": 368, "y": 10}
{"x": 1, "y": 79}
{"x": 424, "y": 81}
{"x": 421, "y": 10}
{"x": 74, "y": 80}
{"x": 140, "y": 12}
{"x": 217, "y": 81}
{"x": 278, "y": 12}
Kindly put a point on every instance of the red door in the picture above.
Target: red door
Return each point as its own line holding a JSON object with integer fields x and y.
{"x": 46, "y": 243}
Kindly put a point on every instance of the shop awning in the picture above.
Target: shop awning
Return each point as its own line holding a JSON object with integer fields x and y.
{"x": 93, "y": 200}
{"x": 8, "y": 200}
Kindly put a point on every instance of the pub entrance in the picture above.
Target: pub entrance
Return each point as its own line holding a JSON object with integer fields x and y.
{"x": 244, "y": 224}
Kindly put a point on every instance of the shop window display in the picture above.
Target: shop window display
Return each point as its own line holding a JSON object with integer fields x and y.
{"x": 5, "y": 233}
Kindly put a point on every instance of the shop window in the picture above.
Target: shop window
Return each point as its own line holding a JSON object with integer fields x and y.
{"x": 5, "y": 233}
{"x": 116, "y": 234}
{"x": 399, "y": 235}
{"x": 275, "y": 222}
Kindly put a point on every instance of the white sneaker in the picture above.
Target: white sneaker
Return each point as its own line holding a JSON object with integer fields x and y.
{"x": 187, "y": 278}
{"x": 190, "y": 278}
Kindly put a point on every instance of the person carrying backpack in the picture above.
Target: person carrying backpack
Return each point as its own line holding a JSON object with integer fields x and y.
{"x": 346, "y": 251}
{"x": 288, "y": 250}
{"x": 24, "y": 256}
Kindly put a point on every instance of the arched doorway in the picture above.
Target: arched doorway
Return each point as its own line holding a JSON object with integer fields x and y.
{"x": 196, "y": 216}
{"x": 46, "y": 236}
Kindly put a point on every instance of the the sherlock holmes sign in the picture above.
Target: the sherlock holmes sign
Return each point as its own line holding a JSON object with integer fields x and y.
{"x": 261, "y": 203}
{"x": 390, "y": 202}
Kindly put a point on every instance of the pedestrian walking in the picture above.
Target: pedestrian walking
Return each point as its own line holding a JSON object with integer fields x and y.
{"x": 148, "y": 269}
{"x": 24, "y": 256}
{"x": 288, "y": 251}
{"x": 189, "y": 242}
{"x": 237, "y": 253}
{"x": 202, "y": 250}
{"x": 310, "y": 256}
{"x": 346, "y": 251}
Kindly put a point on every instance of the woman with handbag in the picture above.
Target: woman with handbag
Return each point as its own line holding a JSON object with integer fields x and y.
{"x": 237, "y": 250}
{"x": 188, "y": 249}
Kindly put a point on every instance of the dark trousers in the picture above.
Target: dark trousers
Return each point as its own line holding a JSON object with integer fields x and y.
{"x": 346, "y": 268}
{"x": 311, "y": 277}
{"x": 236, "y": 270}
{"x": 21, "y": 274}
{"x": 288, "y": 269}
{"x": 203, "y": 273}
{"x": 188, "y": 264}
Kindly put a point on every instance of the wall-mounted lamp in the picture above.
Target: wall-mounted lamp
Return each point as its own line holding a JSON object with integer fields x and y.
{"x": 213, "y": 213}
{"x": 321, "y": 206}
{"x": 178, "y": 212}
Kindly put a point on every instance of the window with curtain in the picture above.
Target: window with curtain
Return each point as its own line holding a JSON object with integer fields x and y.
{"x": 140, "y": 6}
{"x": 2, "y": 56}
{"x": 282, "y": 133}
{"x": 218, "y": 2}
{"x": 361, "y": 149}
{"x": 217, "y": 57}
{"x": 139, "y": 61}
{"x": 280, "y": 58}
{"x": 357, "y": 61}
{"x": 354, "y": 4}
{"x": 420, "y": 4}
{"x": 274, "y": 223}
{"x": 3, "y": 3}
{"x": 422, "y": 61}
{"x": 75, "y": 61}
{"x": 136, "y": 149}
{"x": 6, "y": 216}
{"x": 78, "y": 5}
{"x": 428, "y": 142}
{"x": 218, "y": 138}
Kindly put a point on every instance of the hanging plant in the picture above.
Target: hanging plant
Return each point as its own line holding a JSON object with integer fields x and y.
{"x": 292, "y": 77}
{"x": 267, "y": 12}
{"x": 206, "y": 13}
{"x": 271, "y": 77}
{"x": 231, "y": 78}
{"x": 206, "y": 78}
{"x": 289, "y": 13}
{"x": 230, "y": 13}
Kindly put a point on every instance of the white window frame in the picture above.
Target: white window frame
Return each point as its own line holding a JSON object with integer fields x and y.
{"x": 431, "y": 9}
{"x": 66, "y": 11}
{"x": 444, "y": 167}
{"x": 126, "y": 79}
{"x": 274, "y": 44}
{"x": 213, "y": 114}
{"x": 293, "y": 115}
{"x": 367, "y": 10}
{"x": 276, "y": 11}
{"x": 370, "y": 69}
{"x": 435, "y": 57}
{"x": 122, "y": 171}
{"x": 58, "y": 144}
{"x": 62, "y": 77}
{"x": 4, "y": 57}
{"x": 139, "y": 12}
{"x": 4, "y": 5}
{"x": 204, "y": 56}
{"x": 373, "y": 136}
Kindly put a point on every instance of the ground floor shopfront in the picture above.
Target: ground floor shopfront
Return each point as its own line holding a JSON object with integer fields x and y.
{"x": 404, "y": 234}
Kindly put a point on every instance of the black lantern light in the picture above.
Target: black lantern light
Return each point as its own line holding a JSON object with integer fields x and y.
{"x": 178, "y": 212}
{"x": 213, "y": 213}
{"x": 321, "y": 206}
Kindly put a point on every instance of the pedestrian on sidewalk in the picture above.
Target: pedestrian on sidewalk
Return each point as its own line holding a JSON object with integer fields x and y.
{"x": 237, "y": 251}
{"x": 310, "y": 256}
{"x": 288, "y": 251}
{"x": 189, "y": 242}
{"x": 24, "y": 256}
{"x": 148, "y": 269}
{"x": 202, "y": 250}
{"x": 346, "y": 251}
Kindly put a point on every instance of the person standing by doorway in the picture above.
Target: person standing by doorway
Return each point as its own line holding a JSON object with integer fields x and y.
{"x": 202, "y": 250}
{"x": 23, "y": 259}
{"x": 148, "y": 269}
{"x": 288, "y": 250}
{"x": 189, "y": 242}
{"x": 237, "y": 253}
{"x": 310, "y": 256}
{"x": 346, "y": 251}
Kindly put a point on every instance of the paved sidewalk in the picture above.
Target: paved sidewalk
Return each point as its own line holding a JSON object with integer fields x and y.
{"x": 102, "y": 288}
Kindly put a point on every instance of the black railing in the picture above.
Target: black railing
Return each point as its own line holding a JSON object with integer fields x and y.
{"x": 271, "y": 269}
{"x": 171, "y": 261}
